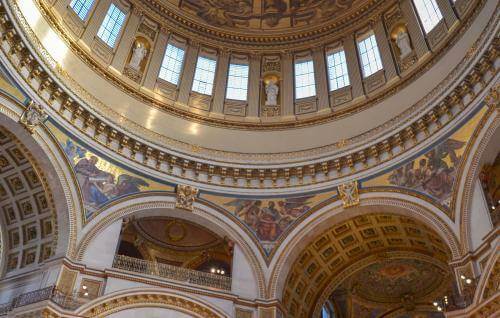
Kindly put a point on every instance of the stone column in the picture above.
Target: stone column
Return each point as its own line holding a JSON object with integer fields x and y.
{"x": 156, "y": 59}
{"x": 321, "y": 78}
{"x": 188, "y": 73}
{"x": 352, "y": 59}
{"x": 416, "y": 33}
{"x": 447, "y": 11}
{"x": 221, "y": 82}
{"x": 95, "y": 21}
{"x": 127, "y": 40}
{"x": 287, "y": 89}
{"x": 254, "y": 85}
{"x": 385, "y": 51}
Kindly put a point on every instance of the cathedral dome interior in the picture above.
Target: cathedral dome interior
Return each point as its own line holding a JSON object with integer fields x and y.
{"x": 249, "y": 158}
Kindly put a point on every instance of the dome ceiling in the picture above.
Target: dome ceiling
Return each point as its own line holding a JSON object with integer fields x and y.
{"x": 278, "y": 22}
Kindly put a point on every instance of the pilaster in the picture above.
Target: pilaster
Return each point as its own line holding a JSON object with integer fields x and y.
{"x": 288, "y": 96}
{"x": 321, "y": 78}
{"x": 352, "y": 59}
{"x": 385, "y": 51}
{"x": 416, "y": 34}
{"x": 254, "y": 83}
{"x": 188, "y": 73}
{"x": 221, "y": 82}
{"x": 156, "y": 60}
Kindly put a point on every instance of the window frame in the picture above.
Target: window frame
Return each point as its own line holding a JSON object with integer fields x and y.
{"x": 207, "y": 57}
{"x": 124, "y": 11}
{"x": 332, "y": 52}
{"x": 304, "y": 60}
{"x": 363, "y": 38}
{"x": 183, "y": 62}
{"x": 419, "y": 15}
{"x": 87, "y": 14}
{"x": 237, "y": 63}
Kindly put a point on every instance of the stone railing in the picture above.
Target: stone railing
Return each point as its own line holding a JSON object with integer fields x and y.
{"x": 172, "y": 272}
{"x": 70, "y": 302}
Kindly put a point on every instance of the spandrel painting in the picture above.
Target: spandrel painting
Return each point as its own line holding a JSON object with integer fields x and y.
{"x": 435, "y": 171}
{"x": 7, "y": 85}
{"x": 269, "y": 218}
{"x": 490, "y": 182}
{"x": 101, "y": 181}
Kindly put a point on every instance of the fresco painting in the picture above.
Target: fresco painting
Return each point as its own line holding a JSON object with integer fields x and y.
{"x": 268, "y": 218}
{"x": 101, "y": 181}
{"x": 9, "y": 88}
{"x": 434, "y": 172}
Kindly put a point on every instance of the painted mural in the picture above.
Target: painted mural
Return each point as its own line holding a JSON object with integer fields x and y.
{"x": 434, "y": 172}
{"x": 490, "y": 182}
{"x": 7, "y": 86}
{"x": 101, "y": 181}
{"x": 268, "y": 218}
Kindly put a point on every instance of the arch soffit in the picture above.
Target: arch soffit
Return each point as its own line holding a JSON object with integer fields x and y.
{"x": 365, "y": 262}
{"x": 386, "y": 202}
{"x": 150, "y": 297}
{"x": 151, "y": 205}
{"x": 59, "y": 176}
{"x": 491, "y": 269}
{"x": 470, "y": 172}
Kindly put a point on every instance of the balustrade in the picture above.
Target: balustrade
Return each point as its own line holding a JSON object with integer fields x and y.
{"x": 172, "y": 272}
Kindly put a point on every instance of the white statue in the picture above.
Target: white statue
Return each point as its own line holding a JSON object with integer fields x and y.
{"x": 272, "y": 94}
{"x": 403, "y": 42}
{"x": 138, "y": 54}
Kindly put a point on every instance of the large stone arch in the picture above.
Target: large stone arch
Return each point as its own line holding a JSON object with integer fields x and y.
{"x": 321, "y": 220}
{"x": 48, "y": 160}
{"x": 151, "y": 297}
{"x": 164, "y": 204}
{"x": 487, "y": 138}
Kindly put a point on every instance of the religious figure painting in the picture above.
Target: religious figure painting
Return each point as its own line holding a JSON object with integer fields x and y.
{"x": 101, "y": 181}
{"x": 269, "y": 218}
{"x": 434, "y": 172}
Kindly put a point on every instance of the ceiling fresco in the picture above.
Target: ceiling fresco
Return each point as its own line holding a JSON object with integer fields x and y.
{"x": 391, "y": 280}
{"x": 267, "y": 14}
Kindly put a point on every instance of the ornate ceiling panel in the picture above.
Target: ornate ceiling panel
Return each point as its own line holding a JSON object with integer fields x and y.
{"x": 26, "y": 206}
{"x": 343, "y": 245}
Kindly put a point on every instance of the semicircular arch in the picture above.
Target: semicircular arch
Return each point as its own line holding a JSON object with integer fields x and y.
{"x": 163, "y": 204}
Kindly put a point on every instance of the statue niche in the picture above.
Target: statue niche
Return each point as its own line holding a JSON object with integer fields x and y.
{"x": 137, "y": 59}
{"x": 402, "y": 46}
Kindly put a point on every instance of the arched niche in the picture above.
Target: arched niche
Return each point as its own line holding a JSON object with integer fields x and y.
{"x": 246, "y": 257}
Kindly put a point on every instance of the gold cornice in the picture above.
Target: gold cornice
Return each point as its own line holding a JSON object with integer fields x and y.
{"x": 404, "y": 139}
{"x": 234, "y": 124}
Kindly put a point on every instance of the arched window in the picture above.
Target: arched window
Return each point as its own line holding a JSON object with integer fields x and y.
{"x": 429, "y": 13}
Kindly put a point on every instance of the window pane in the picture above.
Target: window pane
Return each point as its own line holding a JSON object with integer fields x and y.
{"x": 111, "y": 25}
{"x": 305, "y": 85}
{"x": 429, "y": 13}
{"x": 237, "y": 82}
{"x": 171, "y": 66}
{"x": 370, "y": 56}
{"x": 204, "y": 75}
{"x": 337, "y": 70}
{"x": 81, "y": 7}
